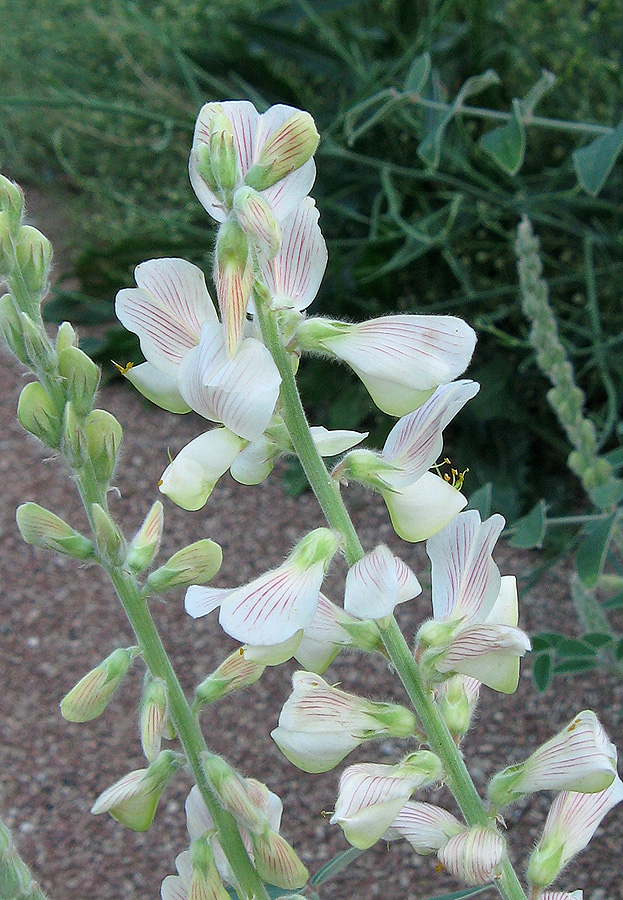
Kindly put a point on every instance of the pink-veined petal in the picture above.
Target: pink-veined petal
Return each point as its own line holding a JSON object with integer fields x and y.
{"x": 466, "y": 581}
{"x": 166, "y": 310}
{"x": 293, "y": 277}
{"x": 323, "y": 638}
{"x": 408, "y": 585}
{"x": 201, "y": 601}
{"x": 415, "y": 442}
{"x": 423, "y": 508}
{"x": 473, "y": 855}
{"x": 426, "y": 827}
{"x": 373, "y": 587}
{"x": 489, "y": 653}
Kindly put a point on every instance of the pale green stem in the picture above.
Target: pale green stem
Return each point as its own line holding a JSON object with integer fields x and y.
{"x": 329, "y": 497}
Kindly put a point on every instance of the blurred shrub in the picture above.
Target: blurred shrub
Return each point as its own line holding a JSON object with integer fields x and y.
{"x": 116, "y": 90}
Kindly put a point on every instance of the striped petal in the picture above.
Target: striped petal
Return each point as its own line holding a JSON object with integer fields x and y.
{"x": 201, "y": 601}
{"x": 426, "y": 827}
{"x": 166, "y": 310}
{"x": 293, "y": 277}
{"x": 373, "y": 588}
{"x": 402, "y": 359}
{"x": 331, "y": 443}
{"x": 240, "y": 392}
{"x": 473, "y": 856}
{"x": 156, "y": 387}
{"x": 323, "y": 638}
{"x": 415, "y": 442}
{"x": 423, "y": 508}
{"x": 489, "y": 653}
{"x": 466, "y": 581}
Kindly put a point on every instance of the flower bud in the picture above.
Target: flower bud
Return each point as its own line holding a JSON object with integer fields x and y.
{"x": 38, "y": 351}
{"x": 232, "y": 793}
{"x": 38, "y": 415}
{"x": 73, "y": 440}
{"x": 11, "y": 326}
{"x": 43, "y": 528}
{"x": 457, "y": 699}
{"x": 204, "y": 168}
{"x": 109, "y": 540}
{"x": 205, "y": 882}
{"x": 82, "y": 378}
{"x": 133, "y": 800}
{"x": 90, "y": 697}
{"x": 276, "y": 862}
{"x": 65, "y": 337}
{"x": 313, "y": 331}
{"x": 286, "y": 150}
{"x": 7, "y": 254}
{"x": 103, "y": 433}
{"x": 258, "y": 222}
{"x": 365, "y": 467}
{"x": 11, "y": 202}
{"x": 196, "y": 564}
{"x": 153, "y": 717}
{"x": 233, "y": 275}
{"x": 223, "y": 159}
{"x": 234, "y": 673}
{"x": 146, "y": 541}
{"x": 33, "y": 253}
{"x": 474, "y": 855}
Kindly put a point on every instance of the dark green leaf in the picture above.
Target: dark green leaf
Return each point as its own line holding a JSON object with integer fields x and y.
{"x": 615, "y": 457}
{"x": 336, "y": 865}
{"x": 619, "y": 650}
{"x": 569, "y": 666}
{"x": 548, "y": 638}
{"x": 417, "y": 74}
{"x": 594, "y": 162}
{"x": 480, "y": 500}
{"x": 572, "y": 647}
{"x": 507, "y": 144}
{"x": 615, "y": 602}
{"x": 597, "y": 639}
{"x": 529, "y": 531}
{"x": 542, "y": 671}
{"x": 589, "y": 559}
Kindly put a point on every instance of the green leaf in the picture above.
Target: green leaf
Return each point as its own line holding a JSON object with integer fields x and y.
{"x": 507, "y": 144}
{"x": 606, "y": 495}
{"x": 480, "y": 500}
{"x": 429, "y": 150}
{"x": 542, "y": 671}
{"x": 460, "y": 895}
{"x": 597, "y": 639}
{"x": 619, "y": 650}
{"x": 594, "y": 162}
{"x": 569, "y": 666}
{"x": 536, "y": 93}
{"x": 529, "y": 531}
{"x": 336, "y": 865}
{"x": 591, "y": 555}
{"x": 615, "y": 457}
{"x": 573, "y": 647}
{"x": 615, "y": 602}
{"x": 548, "y": 638}
{"x": 417, "y": 74}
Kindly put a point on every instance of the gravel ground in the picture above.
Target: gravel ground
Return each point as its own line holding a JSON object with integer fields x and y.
{"x": 58, "y": 619}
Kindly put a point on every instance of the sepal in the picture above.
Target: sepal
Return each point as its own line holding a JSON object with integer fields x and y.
{"x": 153, "y": 719}
{"x": 33, "y": 253}
{"x": 110, "y": 543}
{"x": 197, "y": 563}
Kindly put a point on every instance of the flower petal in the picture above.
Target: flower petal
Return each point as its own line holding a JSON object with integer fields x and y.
{"x": 201, "y": 601}
{"x": 331, "y": 443}
{"x": 489, "y": 653}
{"x": 323, "y": 638}
{"x": 422, "y": 509}
{"x": 157, "y": 387}
{"x": 166, "y": 311}
{"x": 372, "y": 586}
{"x": 473, "y": 856}
{"x": 426, "y": 827}
{"x": 189, "y": 480}
{"x": 255, "y": 463}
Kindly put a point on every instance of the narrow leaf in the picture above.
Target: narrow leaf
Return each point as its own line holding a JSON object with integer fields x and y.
{"x": 571, "y": 647}
{"x": 461, "y": 895}
{"x": 417, "y": 74}
{"x": 529, "y": 531}
{"x": 594, "y": 162}
{"x": 569, "y": 666}
{"x": 542, "y": 671}
{"x": 507, "y": 144}
{"x": 591, "y": 555}
{"x": 536, "y": 93}
{"x": 336, "y": 865}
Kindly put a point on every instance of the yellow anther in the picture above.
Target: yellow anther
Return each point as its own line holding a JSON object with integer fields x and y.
{"x": 122, "y": 369}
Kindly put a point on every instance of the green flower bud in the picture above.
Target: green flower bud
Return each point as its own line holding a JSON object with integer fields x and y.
{"x": 82, "y": 378}
{"x": 134, "y": 799}
{"x": 109, "y": 540}
{"x": 153, "y": 717}
{"x": 232, "y": 793}
{"x": 90, "y": 697}
{"x": 65, "y": 337}
{"x": 11, "y": 202}
{"x": 7, "y": 253}
{"x": 103, "y": 433}
{"x": 11, "y": 326}
{"x": 234, "y": 673}
{"x": 146, "y": 541}
{"x": 42, "y": 528}
{"x": 257, "y": 220}
{"x": 33, "y": 253}
{"x": 204, "y": 168}
{"x": 312, "y": 332}
{"x": 38, "y": 415}
{"x": 319, "y": 546}
{"x": 38, "y": 350}
{"x": 196, "y": 564}
{"x": 223, "y": 159}
{"x": 73, "y": 440}
{"x": 276, "y": 862}
{"x": 366, "y": 467}
{"x": 232, "y": 245}
{"x": 286, "y": 150}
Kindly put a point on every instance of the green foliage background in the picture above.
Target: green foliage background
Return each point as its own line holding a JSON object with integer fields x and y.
{"x": 100, "y": 100}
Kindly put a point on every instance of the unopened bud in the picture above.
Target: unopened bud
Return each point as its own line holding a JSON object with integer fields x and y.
{"x": 38, "y": 351}
{"x": 11, "y": 202}
{"x": 457, "y": 704}
{"x": 258, "y": 222}
{"x": 232, "y": 793}
{"x": 234, "y": 673}
{"x": 205, "y": 881}
{"x": 319, "y": 546}
{"x": 204, "y": 168}
{"x": 109, "y": 540}
{"x": 153, "y": 717}
{"x": 73, "y": 440}
{"x": 134, "y": 799}
{"x": 43, "y": 528}
{"x": 276, "y": 862}
{"x": 65, "y": 337}
{"x": 90, "y": 697}
{"x": 146, "y": 541}
{"x": 38, "y": 415}
{"x": 82, "y": 378}
{"x": 33, "y": 253}
{"x": 7, "y": 254}
{"x": 223, "y": 160}
{"x": 103, "y": 433}
{"x": 11, "y": 326}
{"x": 286, "y": 150}
{"x": 196, "y": 564}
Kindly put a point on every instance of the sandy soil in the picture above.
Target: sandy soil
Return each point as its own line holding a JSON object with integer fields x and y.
{"x": 58, "y": 619}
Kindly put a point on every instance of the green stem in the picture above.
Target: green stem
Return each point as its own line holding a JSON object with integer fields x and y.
{"x": 327, "y": 492}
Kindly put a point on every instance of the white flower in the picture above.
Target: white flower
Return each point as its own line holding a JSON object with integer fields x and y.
{"x": 400, "y": 359}
{"x": 371, "y": 796}
{"x": 278, "y": 604}
{"x": 319, "y": 725}
{"x": 377, "y": 583}
{"x": 186, "y": 351}
{"x": 579, "y": 758}
{"x": 134, "y": 798}
{"x": 561, "y": 895}
{"x": 572, "y": 821}
{"x": 426, "y": 827}
{"x": 473, "y": 856}
{"x": 194, "y": 882}
{"x": 190, "y": 479}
